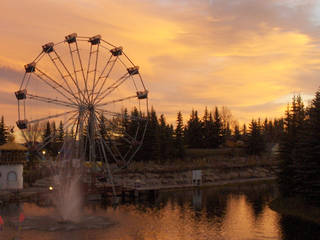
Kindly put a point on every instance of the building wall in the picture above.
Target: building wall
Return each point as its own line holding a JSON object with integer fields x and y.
{"x": 11, "y": 176}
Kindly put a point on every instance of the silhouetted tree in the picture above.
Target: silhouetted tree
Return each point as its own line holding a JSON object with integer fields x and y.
{"x": 4, "y": 133}
{"x": 293, "y": 121}
{"x": 179, "y": 141}
{"x": 151, "y": 146}
{"x": 255, "y": 140}
{"x": 193, "y": 131}
{"x": 166, "y": 139}
{"x": 47, "y": 139}
{"x": 60, "y": 136}
{"x": 307, "y": 155}
{"x": 218, "y": 128}
{"x": 237, "y": 134}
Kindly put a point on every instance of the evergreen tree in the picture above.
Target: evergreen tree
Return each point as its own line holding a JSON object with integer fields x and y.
{"x": 293, "y": 121}
{"x": 193, "y": 131}
{"x": 278, "y": 129}
{"x": 217, "y": 129}
{"x": 151, "y": 146}
{"x": 54, "y": 131}
{"x": 211, "y": 132}
{"x": 255, "y": 140}
{"x": 60, "y": 136}
{"x": 206, "y": 129}
{"x": 102, "y": 128}
{"x": 226, "y": 132}
{"x": 244, "y": 131}
{"x": 179, "y": 142}
{"x": 165, "y": 139}
{"x": 131, "y": 126}
{"x": 125, "y": 120}
{"x": 4, "y": 133}
{"x": 103, "y": 134}
{"x": 237, "y": 134}
{"x": 307, "y": 155}
{"x": 47, "y": 138}
{"x": 170, "y": 145}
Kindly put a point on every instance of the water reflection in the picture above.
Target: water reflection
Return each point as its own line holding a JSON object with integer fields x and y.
{"x": 233, "y": 213}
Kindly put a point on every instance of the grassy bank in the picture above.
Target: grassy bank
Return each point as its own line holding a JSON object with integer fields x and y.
{"x": 296, "y": 207}
{"x": 205, "y": 159}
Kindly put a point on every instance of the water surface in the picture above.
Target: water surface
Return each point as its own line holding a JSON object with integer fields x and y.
{"x": 226, "y": 213}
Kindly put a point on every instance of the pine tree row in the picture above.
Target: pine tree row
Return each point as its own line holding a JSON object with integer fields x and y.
{"x": 300, "y": 151}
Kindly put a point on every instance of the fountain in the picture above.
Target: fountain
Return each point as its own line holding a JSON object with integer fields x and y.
{"x": 67, "y": 198}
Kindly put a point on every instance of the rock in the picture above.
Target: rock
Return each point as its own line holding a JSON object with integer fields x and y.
{"x": 164, "y": 181}
{"x": 245, "y": 174}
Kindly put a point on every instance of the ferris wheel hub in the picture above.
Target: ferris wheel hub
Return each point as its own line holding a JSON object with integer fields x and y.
{"x": 91, "y": 107}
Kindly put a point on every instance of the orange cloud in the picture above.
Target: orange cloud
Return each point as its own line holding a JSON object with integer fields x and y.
{"x": 242, "y": 54}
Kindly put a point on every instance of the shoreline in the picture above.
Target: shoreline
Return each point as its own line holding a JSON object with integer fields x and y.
{"x": 36, "y": 193}
{"x": 207, "y": 185}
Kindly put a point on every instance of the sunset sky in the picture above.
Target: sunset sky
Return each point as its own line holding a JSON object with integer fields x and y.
{"x": 248, "y": 55}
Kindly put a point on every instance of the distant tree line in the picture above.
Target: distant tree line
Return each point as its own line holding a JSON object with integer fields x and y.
{"x": 300, "y": 151}
{"x": 164, "y": 141}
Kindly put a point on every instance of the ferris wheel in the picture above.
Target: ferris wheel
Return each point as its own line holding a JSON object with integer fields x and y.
{"x": 95, "y": 89}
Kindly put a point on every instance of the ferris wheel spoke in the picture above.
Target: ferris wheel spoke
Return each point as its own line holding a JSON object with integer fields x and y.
{"x": 140, "y": 78}
{"x": 113, "y": 126}
{"x": 75, "y": 71}
{"x": 73, "y": 124}
{"x": 81, "y": 67}
{"x": 113, "y": 62}
{"x": 53, "y": 84}
{"x": 91, "y": 137}
{"x": 116, "y": 101}
{"x": 50, "y": 100}
{"x": 23, "y": 79}
{"x": 111, "y": 88}
{"x": 50, "y": 117}
{"x": 103, "y": 145}
{"x": 120, "y": 115}
{"x": 112, "y": 148}
{"x": 95, "y": 72}
{"x": 45, "y": 141}
{"x": 38, "y": 58}
{"x": 53, "y": 60}
{"x": 128, "y": 59}
{"x": 108, "y": 43}
{"x": 94, "y": 41}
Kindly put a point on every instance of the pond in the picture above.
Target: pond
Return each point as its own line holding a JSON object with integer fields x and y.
{"x": 231, "y": 213}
